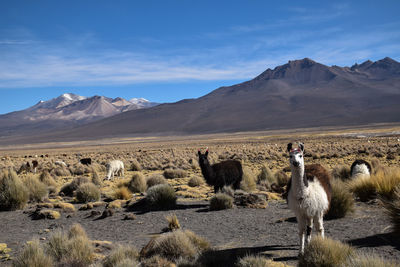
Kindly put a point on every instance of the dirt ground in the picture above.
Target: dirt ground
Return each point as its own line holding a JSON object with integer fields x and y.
{"x": 233, "y": 233}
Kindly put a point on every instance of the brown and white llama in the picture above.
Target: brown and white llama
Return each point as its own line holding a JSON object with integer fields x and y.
{"x": 309, "y": 194}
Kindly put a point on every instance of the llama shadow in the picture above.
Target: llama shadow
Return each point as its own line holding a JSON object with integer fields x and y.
{"x": 378, "y": 240}
{"x": 141, "y": 207}
{"x": 229, "y": 257}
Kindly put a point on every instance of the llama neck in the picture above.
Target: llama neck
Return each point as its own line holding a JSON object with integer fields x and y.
{"x": 298, "y": 178}
{"x": 207, "y": 172}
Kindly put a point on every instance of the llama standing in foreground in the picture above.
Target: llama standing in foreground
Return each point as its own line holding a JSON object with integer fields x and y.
{"x": 309, "y": 194}
{"x": 114, "y": 167}
{"x": 227, "y": 172}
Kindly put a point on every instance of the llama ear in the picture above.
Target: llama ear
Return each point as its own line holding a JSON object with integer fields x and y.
{"x": 206, "y": 153}
{"x": 289, "y": 147}
{"x": 301, "y": 145}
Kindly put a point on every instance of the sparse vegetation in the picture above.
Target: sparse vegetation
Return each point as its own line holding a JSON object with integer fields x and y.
{"x": 342, "y": 201}
{"x": 393, "y": 210}
{"x": 120, "y": 256}
{"x": 161, "y": 196}
{"x": 258, "y": 261}
{"x": 45, "y": 177}
{"x": 135, "y": 166}
{"x": 367, "y": 260}
{"x": 173, "y": 222}
{"x": 49, "y": 214}
{"x": 196, "y": 181}
{"x": 33, "y": 256}
{"x": 174, "y": 173}
{"x": 37, "y": 189}
{"x": 325, "y": 252}
{"x": 221, "y": 201}
{"x": 341, "y": 172}
{"x": 248, "y": 182}
{"x": 156, "y": 179}
{"x": 122, "y": 193}
{"x": 138, "y": 183}
{"x": 13, "y": 193}
{"x": 266, "y": 177}
{"x": 87, "y": 192}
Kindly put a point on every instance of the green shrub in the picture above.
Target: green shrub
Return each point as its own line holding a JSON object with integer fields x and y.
{"x": 135, "y": 166}
{"x": 174, "y": 173}
{"x": 325, "y": 252}
{"x": 37, "y": 189}
{"x": 342, "y": 200}
{"x": 156, "y": 179}
{"x": 87, "y": 192}
{"x": 13, "y": 193}
{"x": 33, "y": 256}
{"x": 196, "y": 181}
{"x": 161, "y": 196}
{"x": 120, "y": 256}
{"x": 221, "y": 201}
{"x": 138, "y": 183}
{"x": 248, "y": 182}
{"x": 175, "y": 245}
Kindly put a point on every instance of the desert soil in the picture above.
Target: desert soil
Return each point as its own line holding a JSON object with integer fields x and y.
{"x": 234, "y": 233}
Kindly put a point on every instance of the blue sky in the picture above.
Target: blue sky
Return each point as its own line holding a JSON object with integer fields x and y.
{"x": 169, "y": 50}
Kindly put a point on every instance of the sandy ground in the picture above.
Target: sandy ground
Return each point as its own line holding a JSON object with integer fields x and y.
{"x": 234, "y": 233}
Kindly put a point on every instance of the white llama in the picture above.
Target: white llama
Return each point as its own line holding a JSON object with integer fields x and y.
{"x": 114, "y": 167}
{"x": 309, "y": 194}
{"x": 360, "y": 168}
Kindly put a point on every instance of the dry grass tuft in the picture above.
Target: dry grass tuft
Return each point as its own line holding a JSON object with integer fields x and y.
{"x": 76, "y": 230}
{"x": 161, "y": 196}
{"x": 135, "y": 166}
{"x": 221, "y": 201}
{"x": 325, "y": 252}
{"x": 174, "y": 173}
{"x": 87, "y": 192}
{"x": 13, "y": 193}
{"x": 281, "y": 178}
{"x": 196, "y": 181}
{"x": 382, "y": 184}
{"x": 69, "y": 188}
{"x": 366, "y": 260}
{"x": 173, "y": 222}
{"x": 258, "y": 261}
{"x": 157, "y": 261}
{"x": 60, "y": 171}
{"x": 67, "y": 207}
{"x": 122, "y": 193}
{"x": 393, "y": 210}
{"x": 96, "y": 178}
{"x": 342, "y": 201}
{"x": 121, "y": 256}
{"x": 175, "y": 245}
{"x": 33, "y": 256}
{"x": 248, "y": 182}
{"x": 45, "y": 177}
{"x": 156, "y": 179}
{"x": 49, "y": 214}
{"x": 341, "y": 172}
{"x": 138, "y": 183}
{"x": 266, "y": 177}
{"x": 37, "y": 189}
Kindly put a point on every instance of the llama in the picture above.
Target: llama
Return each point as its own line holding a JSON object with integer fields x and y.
{"x": 60, "y": 163}
{"x": 227, "y": 172}
{"x": 86, "y": 161}
{"x": 309, "y": 194}
{"x": 360, "y": 168}
{"x": 29, "y": 167}
{"x": 114, "y": 167}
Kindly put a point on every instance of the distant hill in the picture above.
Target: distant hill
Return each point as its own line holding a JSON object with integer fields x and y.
{"x": 301, "y": 93}
{"x": 65, "y": 111}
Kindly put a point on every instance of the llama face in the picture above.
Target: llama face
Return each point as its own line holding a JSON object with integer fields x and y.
{"x": 296, "y": 155}
{"x": 203, "y": 160}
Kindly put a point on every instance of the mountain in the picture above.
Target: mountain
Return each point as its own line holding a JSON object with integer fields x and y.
{"x": 301, "y": 93}
{"x": 64, "y": 111}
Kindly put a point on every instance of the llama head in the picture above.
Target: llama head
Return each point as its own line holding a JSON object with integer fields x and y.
{"x": 203, "y": 160}
{"x": 296, "y": 155}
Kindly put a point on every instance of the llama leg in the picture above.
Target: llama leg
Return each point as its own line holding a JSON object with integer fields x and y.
{"x": 302, "y": 225}
{"x": 319, "y": 224}
{"x": 309, "y": 229}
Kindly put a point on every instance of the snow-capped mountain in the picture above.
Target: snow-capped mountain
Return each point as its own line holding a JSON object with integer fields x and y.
{"x": 65, "y": 111}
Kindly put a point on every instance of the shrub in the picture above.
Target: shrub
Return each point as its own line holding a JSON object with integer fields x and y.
{"x": 33, "y": 256}
{"x": 174, "y": 173}
{"x": 195, "y": 181}
{"x": 365, "y": 260}
{"x": 45, "y": 177}
{"x": 69, "y": 188}
{"x": 120, "y": 256}
{"x": 173, "y": 222}
{"x": 137, "y": 183}
{"x": 175, "y": 245}
{"x": 72, "y": 248}
{"x": 341, "y": 172}
{"x": 266, "y": 177}
{"x": 37, "y": 190}
{"x": 325, "y": 252}
{"x": 122, "y": 193}
{"x": 156, "y": 179}
{"x": 61, "y": 171}
{"x": 79, "y": 169}
{"x": 13, "y": 193}
{"x": 49, "y": 214}
{"x": 135, "y": 166}
{"x": 342, "y": 200}
{"x": 281, "y": 178}
{"x": 258, "y": 261}
{"x": 161, "y": 196}
{"x": 87, "y": 192}
{"x": 96, "y": 179}
{"x": 363, "y": 188}
{"x": 393, "y": 210}
{"x": 248, "y": 182}
{"x": 221, "y": 201}
{"x": 156, "y": 261}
